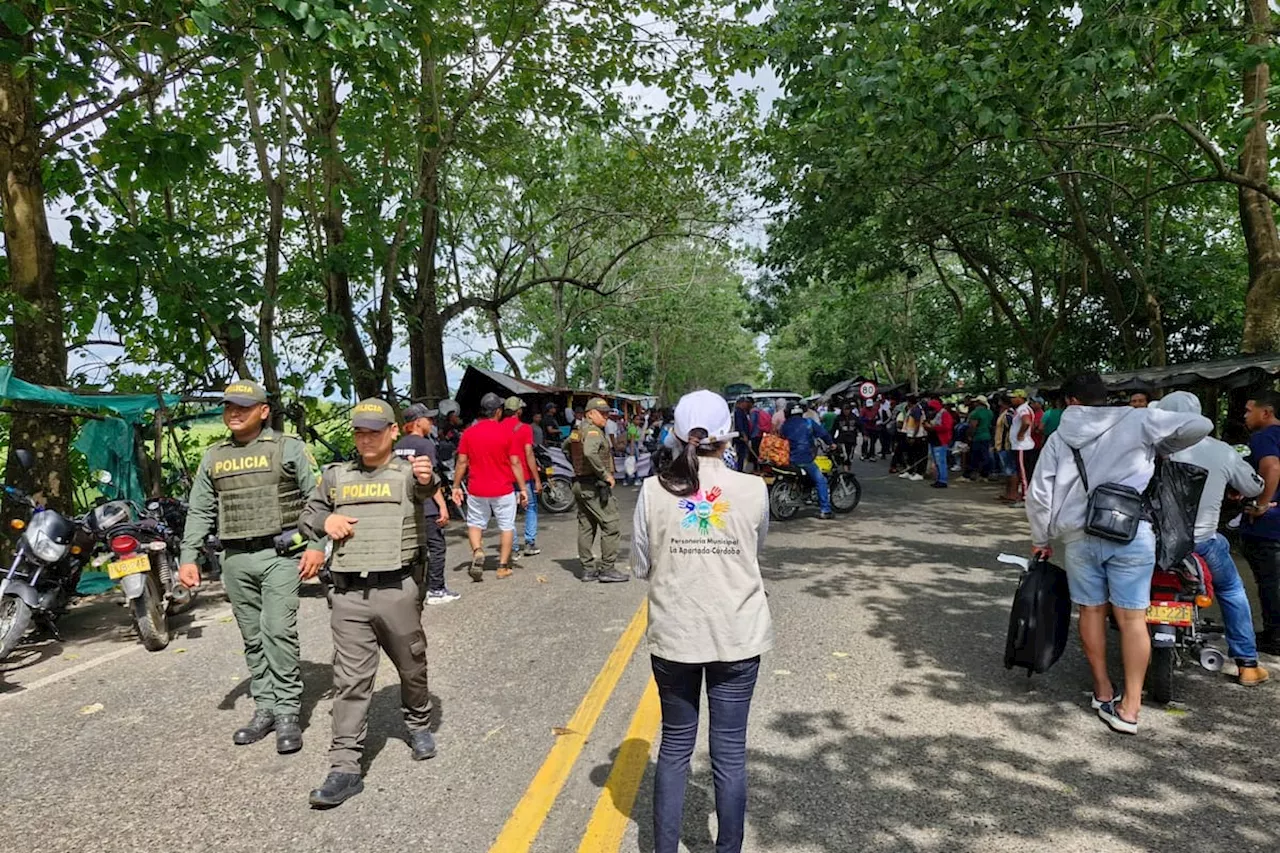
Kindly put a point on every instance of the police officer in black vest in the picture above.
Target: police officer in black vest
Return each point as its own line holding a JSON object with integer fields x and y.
{"x": 372, "y": 511}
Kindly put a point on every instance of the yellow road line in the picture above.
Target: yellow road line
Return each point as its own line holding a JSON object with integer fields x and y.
{"x": 522, "y": 827}
{"x": 613, "y": 809}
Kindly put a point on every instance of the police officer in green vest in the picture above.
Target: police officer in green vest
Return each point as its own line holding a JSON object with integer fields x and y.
{"x": 592, "y": 458}
{"x": 252, "y": 486}
{"x": 372, "y": 511}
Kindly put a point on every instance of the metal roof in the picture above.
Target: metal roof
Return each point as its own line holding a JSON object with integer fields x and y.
{"x": 1234, "y": 372}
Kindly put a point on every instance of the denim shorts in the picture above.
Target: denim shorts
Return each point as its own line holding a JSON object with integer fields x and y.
{"x": 1008, "y": 462}
{"x": 503, "y": 509}
{"x": 1099, "y": 571}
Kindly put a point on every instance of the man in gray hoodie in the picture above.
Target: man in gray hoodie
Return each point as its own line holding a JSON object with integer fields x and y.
{"x": 1226, "y": 468}
{"x": 1118, "y": 445}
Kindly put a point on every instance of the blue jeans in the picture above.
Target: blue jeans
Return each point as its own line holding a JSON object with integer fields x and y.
{"x": 729, "y": 690}
{"x": 1237, "y": 617}
{"x": 1099, "y": 570}
{"x": 820, "y": 480}
{"x": 531, "y": 515}
{"x": 941, "y": 459}
{"x": 980, "y": 458}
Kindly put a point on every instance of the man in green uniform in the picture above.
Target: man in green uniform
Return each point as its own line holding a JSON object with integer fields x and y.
{"x": 372, "y": 510}
{"x": 593, "y": 486}
{"x": 252, "y": 487}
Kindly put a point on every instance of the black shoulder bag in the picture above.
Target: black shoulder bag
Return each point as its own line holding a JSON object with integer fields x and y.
{"x": 1113, "y": 511}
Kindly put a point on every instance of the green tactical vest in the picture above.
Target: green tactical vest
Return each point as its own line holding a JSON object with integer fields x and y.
{"x": 255, "y": 496}
{"x": 389, "y": 531}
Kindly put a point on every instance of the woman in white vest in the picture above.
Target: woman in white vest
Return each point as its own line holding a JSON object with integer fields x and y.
{"x": 699, "y": 528}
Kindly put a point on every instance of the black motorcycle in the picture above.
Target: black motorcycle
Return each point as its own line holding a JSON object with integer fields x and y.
{"x": 790, "y": 487}
{"x": 143, "y": 547}
{"x": 557, "y": 483}
{"x": 52, "y": 551}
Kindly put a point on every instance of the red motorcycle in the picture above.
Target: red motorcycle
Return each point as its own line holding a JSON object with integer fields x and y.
{"x": 1178, "y": 628}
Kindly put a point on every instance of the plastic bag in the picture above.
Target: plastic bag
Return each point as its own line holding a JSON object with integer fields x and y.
{"x": 1174, "y": 498}
{"x": 775, "y": 450}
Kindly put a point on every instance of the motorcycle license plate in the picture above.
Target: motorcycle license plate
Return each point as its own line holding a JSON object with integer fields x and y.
{"x": 131, "y": 566}
{"x": 1177, "y": 613}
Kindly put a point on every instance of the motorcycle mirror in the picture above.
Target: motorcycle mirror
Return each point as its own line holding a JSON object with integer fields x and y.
{"x": 25, "y": 458}
{"x": 103, "y": 477}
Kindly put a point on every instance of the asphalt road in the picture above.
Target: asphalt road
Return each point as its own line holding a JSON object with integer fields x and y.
{"x": 883, "y": 721}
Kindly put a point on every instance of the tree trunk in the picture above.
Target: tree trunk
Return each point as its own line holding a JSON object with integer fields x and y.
{"x": 1262, "y": 302}
{"x": 39, "y": 354}
{"x": 495, "y": 320}
{"x": 338, "y": 300}
{"x": 429, "y": 378}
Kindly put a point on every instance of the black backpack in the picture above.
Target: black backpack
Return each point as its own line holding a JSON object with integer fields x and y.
{"x": 1040, "y": 619}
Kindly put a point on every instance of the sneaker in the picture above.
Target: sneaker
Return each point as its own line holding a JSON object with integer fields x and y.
{"x": 516, "y": 555}
{"x": 1251, "y": 675}
{"x": 531, "y": 550}
{"x": 613, "y": 576}
{"x": 504, "y": 572}
{"x": 441, "y": 596}
{"x": 1018, "y": 504}
{"x": 825, "y": 516}
{"x": 589, "y": 576}
{"x": 1098, "y": 703}
{"x": 916, "y": 478}
{"x": 905, "y": 475}
{"x": 1109, "y": 713}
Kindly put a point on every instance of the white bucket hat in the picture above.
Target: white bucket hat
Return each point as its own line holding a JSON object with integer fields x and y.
{"x": 704, "y": 410}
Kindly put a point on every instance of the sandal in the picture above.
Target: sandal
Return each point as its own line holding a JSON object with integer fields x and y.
{"x": 477, "y": 565}
{"x": 504, "y": 571}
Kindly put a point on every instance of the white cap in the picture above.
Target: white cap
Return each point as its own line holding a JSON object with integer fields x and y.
{"x": 704, "y": 410}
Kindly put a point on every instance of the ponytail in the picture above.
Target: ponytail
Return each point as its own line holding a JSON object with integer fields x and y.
{"x": 681, "y": 476}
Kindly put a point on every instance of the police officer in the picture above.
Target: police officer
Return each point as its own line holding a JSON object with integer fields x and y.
{"x": 372, "y": 510}
{"x": 593, "y": 486}
{"x": 252, "y": 486}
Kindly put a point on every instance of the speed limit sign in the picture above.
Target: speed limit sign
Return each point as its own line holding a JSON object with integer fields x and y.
{"x": 867, "y": 390}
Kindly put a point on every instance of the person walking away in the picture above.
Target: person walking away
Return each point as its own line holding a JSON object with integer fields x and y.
{"x": 1111, "y": 445}
{"x": 898, "y": 463}
{"x": 1023, "y": 443}
{"x": 761, "y": 425}
{"x": 980, "y": 436}
{"x": 742, "y": 425}
{"x": 372, "y": 511}
{"x": 1008, "y": 461}
{"x": 486, "y": 462}
{"x": 1052, "y": 415}
{"x": 251, "y": 488}
{"x": 419, "y": 421}
{"x": 802, "y": 434}
{"x": 592, "y": 458}
{"x": 884, "y": 420}
{"x": 522, "y": 449}
{"x": 1260, "y": 532}
{"x": 699, "y": 530}
{"x": 917, "y": 454}
{"x": 1226, "y": 468}
{"x": 940, "y": 425}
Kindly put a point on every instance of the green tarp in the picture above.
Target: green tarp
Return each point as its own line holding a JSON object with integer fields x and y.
{"x": 107, "y": 443}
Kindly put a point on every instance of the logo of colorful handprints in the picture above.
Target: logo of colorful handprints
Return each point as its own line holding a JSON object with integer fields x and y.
{"x": 702, "y": 512}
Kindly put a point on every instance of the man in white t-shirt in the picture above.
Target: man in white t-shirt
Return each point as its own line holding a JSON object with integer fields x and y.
{"x": 1024, "y": 443}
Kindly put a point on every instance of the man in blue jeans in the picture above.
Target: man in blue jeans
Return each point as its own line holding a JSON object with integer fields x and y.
{"x": 1260, "y": 532}
{"x": 802, "y": 434}
{"x": 1226, "y": 468}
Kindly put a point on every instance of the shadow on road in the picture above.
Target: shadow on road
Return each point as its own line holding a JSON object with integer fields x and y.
{"x": 699, "y": 801}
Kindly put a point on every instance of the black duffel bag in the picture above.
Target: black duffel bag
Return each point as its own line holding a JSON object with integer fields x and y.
{"x": 1173, "y": 501}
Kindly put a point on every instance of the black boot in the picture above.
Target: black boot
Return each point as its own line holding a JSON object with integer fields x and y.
{"x": 589, "y": 575}
{"x": 336, "y": 789}
{"x": 260, "y": 726}
{"x": 288, "y": 734}
{"x": 613, "y": 576}
{"x": 424, "y": 745}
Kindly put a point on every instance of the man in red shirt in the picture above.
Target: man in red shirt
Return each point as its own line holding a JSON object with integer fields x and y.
{"x": 522, "y": 449}
{"x": 486, "y": 462}
{"x": 940, "y": 427}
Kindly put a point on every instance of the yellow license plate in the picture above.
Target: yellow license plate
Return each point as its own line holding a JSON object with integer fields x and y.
{"x": 1178, "y": 613}
{"x": 131, "y": 566}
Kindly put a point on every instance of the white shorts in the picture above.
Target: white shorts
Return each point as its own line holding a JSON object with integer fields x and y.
{"x": 503, "y": 509}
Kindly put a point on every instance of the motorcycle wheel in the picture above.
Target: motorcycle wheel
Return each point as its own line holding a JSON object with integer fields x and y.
{"x": 557, "y": 495}
{"x": 1160, "y": 675}
{"x": 149, "y": 617}
{"x": 846, "y": 491}
{"x": 784, "y": 499}
{"x": 15, "y": 619}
